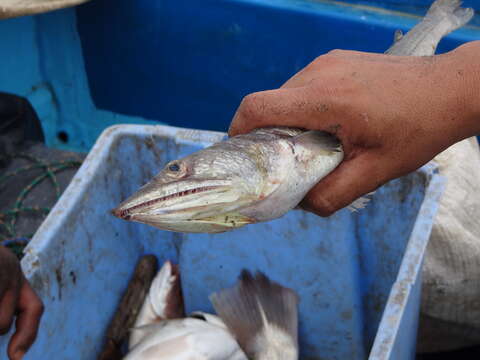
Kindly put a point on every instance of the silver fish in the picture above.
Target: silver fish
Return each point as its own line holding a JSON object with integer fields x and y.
{"x": 262, "y": 175}
{"x": 160, "y": 334}
{"x": 246, "y": 179}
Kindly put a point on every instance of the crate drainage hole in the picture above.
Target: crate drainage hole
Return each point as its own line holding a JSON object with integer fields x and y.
{"x": 62, "y": 136}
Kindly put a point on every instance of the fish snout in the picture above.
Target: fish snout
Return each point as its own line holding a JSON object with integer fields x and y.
{"x": 121, "y": 213}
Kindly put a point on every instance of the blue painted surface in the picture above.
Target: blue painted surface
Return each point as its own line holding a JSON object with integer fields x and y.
{"x": 343, "y": 267}
{"x": 19, "y": 60}
{"x": 41, "y": 59}
{"x": 190, "y": 63}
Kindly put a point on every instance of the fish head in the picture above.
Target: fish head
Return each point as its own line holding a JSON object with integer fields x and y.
{"x": 201, "y": 192}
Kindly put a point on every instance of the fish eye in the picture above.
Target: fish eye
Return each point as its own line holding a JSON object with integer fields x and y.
{"x": 174, "y": 167}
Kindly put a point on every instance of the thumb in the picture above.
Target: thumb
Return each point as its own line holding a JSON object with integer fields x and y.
{"x": 352, "y": 179}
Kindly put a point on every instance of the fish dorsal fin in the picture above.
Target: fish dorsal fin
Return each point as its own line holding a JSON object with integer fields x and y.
{"x": 397, "y": 36}
{"x": 261, "y": 314}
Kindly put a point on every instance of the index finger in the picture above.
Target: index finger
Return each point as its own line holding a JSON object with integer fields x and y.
{"x": 30, "y": 311}
{"x": 291, "y": 107}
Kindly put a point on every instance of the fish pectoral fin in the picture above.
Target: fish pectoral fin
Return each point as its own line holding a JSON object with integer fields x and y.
{"x": 318, "y": 141}
{"x": 360, "y": 203}
{"x": 230, "y": 220}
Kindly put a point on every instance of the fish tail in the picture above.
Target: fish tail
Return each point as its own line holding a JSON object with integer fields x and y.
{"x": 442, "y": 18}
{"x": 165, "y": 292}
{"x": 449, "y": 12}
{"x": 260, "y": 314}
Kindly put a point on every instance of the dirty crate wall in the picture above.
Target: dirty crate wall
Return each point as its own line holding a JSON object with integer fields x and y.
{"x": 186, "y": 63}
{"x": 343, "y": 267}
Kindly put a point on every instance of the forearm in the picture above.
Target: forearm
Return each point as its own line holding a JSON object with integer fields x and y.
{"x": 466, "y": 67}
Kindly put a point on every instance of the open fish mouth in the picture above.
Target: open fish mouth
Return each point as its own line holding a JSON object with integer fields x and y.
{"x": 165, "y": 204}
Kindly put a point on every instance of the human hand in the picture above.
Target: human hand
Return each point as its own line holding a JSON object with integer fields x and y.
{"x": 392, "y": 114}
{"x": 17, "y": 299}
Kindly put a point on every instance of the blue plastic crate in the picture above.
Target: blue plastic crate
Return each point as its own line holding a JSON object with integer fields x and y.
{"x": 357, "y": 274}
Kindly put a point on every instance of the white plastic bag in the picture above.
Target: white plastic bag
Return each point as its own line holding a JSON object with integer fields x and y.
{"x": 450, "y": 308}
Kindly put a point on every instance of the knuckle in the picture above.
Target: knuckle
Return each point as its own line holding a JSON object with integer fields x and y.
{"x": 252, "y": 106}
{"x": 343, "y": 55}
{"x": 330, "y": 59}
{"x": 325, "y": 207}
{"x": 320, "y": 206}
{"x": 315, "y": 64}
{"x": 335, "y": 52}
{"x": 325, "y": 210}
